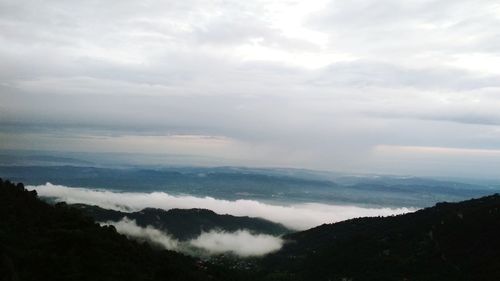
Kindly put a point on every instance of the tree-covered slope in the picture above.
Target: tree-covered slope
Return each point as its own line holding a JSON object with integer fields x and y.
{"x": 450, "y": 241}
{"x": 43, "y": 242}
{"x": 185, "y": 224}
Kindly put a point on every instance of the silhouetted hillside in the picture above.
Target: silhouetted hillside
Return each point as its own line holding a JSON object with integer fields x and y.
{"x": 43, "y": 242}
{"x": 185, "y": 224}
{"x": 451, "y": 241}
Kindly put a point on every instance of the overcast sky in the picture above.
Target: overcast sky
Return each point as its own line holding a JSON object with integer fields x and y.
{"x": 392, "y": 86}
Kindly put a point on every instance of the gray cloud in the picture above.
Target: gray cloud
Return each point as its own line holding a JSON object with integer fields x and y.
{"x": 319, "y": 84}
{"x": 412, "y": 27}
{"x": 385, "y": 75}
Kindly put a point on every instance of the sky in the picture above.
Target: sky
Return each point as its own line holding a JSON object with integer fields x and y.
{"x": 388, "y": 86}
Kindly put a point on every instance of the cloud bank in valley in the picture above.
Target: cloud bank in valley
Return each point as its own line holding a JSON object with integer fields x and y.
{"x": 241, "y": 243}
{"x": 131, "y": 229}
{"x": 294, "y": 216}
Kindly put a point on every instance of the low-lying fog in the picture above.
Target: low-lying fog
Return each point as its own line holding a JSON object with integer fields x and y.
{"x": 241, "y": 243}
{"x": 294, "y": 216}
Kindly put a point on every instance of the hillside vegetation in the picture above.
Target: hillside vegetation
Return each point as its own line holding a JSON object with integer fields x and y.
{"x": 185, "y": 224}
{"x": 39, "y": 241}
{"x": 450, "y": 241}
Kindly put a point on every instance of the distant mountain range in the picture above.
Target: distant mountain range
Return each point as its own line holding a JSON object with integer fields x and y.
{"x": 286, "y": 185}
{"x": 185, "y": 224}
{"x": 450, "y": 241}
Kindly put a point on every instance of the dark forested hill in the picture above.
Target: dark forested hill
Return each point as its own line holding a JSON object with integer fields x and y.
{"x": 451, "y": 241}
{"x": 43, "y": 242}
{"x": 185, "y": 224}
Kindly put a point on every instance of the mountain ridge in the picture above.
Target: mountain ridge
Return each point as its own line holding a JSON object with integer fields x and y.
{"x": 234, "y": 184}
{"x": 185, "y": 224}
{"x": 449, "y": 241}
{"x": 39, "y": 241}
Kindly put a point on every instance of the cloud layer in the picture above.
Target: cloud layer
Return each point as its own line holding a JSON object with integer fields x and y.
{"x": 295, "y": 216}
{"x": 131, "y": 229}
{"x": 316, "y": 84}
{"x": 241, "y": 243}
